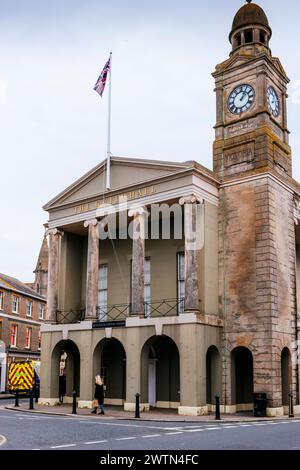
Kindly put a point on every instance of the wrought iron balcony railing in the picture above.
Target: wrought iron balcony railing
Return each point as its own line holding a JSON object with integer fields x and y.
{"x": 157, "y": 308}
{"x": 119, "y": 312}
{"x": 163, "y": 308}
{"x": 70, "y": 316}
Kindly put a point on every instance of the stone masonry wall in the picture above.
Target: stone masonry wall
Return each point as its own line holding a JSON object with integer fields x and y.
{"x": 257, "y": 279}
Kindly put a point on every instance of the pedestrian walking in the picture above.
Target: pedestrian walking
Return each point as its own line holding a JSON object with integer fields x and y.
{"x": 98, "y": 396}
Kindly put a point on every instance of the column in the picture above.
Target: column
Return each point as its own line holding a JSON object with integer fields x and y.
{"x": 138, "y": 259}
{"x": 191, "y": 252}
{"x": 92, "y": 274}
{"x": 53, "y": 273}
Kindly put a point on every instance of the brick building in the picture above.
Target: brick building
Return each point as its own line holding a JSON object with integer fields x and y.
{"x": 176, "y": 320}
{"x": 22, "y": 311}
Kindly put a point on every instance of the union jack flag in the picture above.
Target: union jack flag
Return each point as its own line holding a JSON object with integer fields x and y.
{"x": 100, "y": 83}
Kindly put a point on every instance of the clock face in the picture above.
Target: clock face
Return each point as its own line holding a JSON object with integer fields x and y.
{"x": 241, "y": 99}
{"x": 273, "y": 101}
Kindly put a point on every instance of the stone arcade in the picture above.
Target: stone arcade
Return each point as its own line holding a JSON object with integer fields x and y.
{"x": 175, "y": 320}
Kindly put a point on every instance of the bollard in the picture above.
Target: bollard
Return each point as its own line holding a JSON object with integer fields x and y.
{"x": 31, "y": 407}
{"x": 291, "y": 406}
{"x": 74, "y": 411}
{"x": 137, "y": 405}
{"x": 17, "y": 398}
{"x": 218, "y": 415}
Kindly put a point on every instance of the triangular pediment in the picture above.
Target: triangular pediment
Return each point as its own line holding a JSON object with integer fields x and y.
{"x": 234, "y": 61}
{"x": 124, "y": 173}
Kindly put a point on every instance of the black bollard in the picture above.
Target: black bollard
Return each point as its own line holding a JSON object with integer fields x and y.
{"x": 291, "y": 406}
{"x": 74, "y": 411}
{"x": 17, "y": 398}
{"x": 218, "y": 415}
{"x": 31, "y": 393}
{"x": 137, "y": 405}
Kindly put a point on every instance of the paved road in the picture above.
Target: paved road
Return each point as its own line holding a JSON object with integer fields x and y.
{"x": 32, "y": 431}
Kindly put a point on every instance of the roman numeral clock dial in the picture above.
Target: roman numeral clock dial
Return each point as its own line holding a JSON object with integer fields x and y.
{"x": 273, "y": 101}
{"x": 241, "y": 99}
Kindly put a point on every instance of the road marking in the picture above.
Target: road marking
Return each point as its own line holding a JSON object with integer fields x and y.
{"x": 63, "y": 445}
{"x": 173, "y": 433}
{"x": 152, "y": 435}
{"x": 195, "y": 430}
{"x": 213, "y": 429}
{"x": 125, "y": 438}
{"x": 35, "y": 449}
{"x": 229, "y": 426}
{"x": 94, "y": 442}
{"x": 131, "y": 425}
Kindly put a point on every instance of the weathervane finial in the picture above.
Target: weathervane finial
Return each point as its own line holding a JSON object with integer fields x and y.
{"x": 248, "y": 1}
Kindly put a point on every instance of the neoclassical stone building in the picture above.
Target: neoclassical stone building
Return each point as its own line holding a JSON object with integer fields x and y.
{"x": 181, "y": 316}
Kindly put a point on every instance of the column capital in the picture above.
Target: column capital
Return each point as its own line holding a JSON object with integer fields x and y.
{"x": 136, "y": 211}
{"x": 93, "y": 222}
{"x": 192, "y": 199}
{"x": 54, "y": 231}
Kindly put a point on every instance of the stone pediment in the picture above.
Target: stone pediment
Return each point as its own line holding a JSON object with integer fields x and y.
{"x": 125, "y": 172}
{"x": 234, "y": 61}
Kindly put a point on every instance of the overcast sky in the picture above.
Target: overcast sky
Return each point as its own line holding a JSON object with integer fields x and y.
{"x": 52, "y": 123}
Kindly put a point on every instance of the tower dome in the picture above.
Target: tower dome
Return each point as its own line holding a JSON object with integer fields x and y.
{"x": 250, "y": 25}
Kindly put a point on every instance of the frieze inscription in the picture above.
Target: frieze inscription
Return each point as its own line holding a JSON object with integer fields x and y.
{"x": 242, "y": 154}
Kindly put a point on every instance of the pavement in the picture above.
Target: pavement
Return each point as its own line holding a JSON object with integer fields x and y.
{"x": 117, "y": 412}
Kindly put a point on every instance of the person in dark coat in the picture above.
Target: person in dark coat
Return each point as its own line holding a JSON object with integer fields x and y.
{"x": 99, "y": 395}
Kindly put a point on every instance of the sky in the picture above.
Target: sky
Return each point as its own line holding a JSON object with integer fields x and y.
{"x": 53, "y": 124}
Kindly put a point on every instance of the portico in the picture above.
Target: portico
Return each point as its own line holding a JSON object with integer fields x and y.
{"x": 153, "y": 275}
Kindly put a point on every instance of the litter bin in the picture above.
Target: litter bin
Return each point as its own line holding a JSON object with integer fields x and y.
{"x": 260, "y": 405}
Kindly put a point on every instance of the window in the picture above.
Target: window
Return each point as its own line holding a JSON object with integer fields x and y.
{"x": 248, "y": 36}
{"x": 13, "y": 335}
{"x": 29, "y": 308}
{"x": 1, "y": 300}
{"x": 262, "y": 37}
{"x": 180, "y": 282}
{"x": 39, "y": 340}
{"x": 15, "y": 304}
{"x": 28, "y": 338}
{"x": 147, "y": 287}
{"x": 42, "y": 311}
{"x": 102, "y": 292}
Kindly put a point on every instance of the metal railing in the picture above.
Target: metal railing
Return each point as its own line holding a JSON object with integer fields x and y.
{"x": 156, "y": 308}
{"x": 70, "y": 316}
{"x": 119, "y": 312}
{"x": 163, "y": 308}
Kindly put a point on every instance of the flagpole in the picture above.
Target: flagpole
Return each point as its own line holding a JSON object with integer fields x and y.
{"x": 108, "y": 153}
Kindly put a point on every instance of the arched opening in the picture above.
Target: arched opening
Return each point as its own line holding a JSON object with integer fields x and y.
{"x": 242, "y": 378}
{"x": 213, "y": 375}
{"x": 286, "y": 376}
{"x": 248, "y": 36}
{"x": 65, "y": 364}
{"x": 110, "y": 362}
{"x": 160, "y": 373}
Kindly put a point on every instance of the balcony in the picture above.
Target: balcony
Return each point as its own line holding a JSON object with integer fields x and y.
{"x": 117, "y": 314}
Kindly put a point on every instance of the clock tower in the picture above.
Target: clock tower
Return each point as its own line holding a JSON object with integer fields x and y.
{"x": 252, "y": 158}
{"x": 251, "y": 92}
